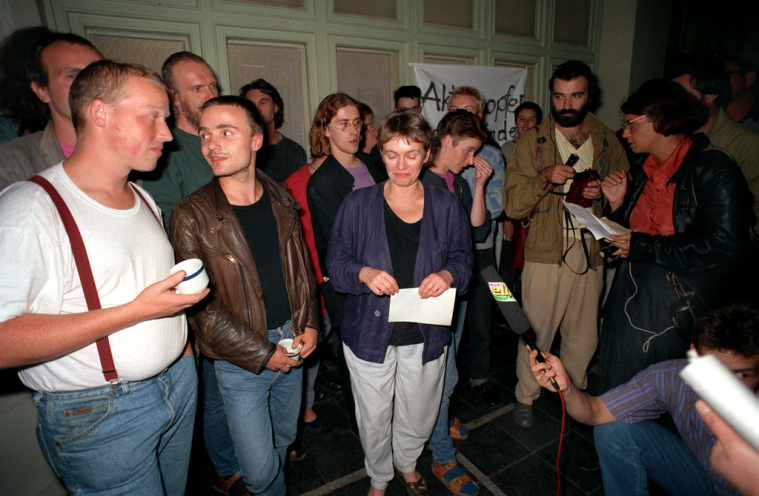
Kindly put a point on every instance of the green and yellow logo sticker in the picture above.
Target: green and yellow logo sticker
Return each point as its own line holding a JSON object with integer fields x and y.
{"x": 500, "y": 291}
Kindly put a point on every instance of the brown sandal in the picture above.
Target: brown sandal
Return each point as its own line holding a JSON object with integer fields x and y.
{"x": 418, "y": 488}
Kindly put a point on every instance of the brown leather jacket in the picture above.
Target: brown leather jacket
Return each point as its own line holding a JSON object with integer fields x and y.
{"x": 230, "y": 324}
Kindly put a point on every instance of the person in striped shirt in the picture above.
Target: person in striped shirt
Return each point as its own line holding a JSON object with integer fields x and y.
{"x": 630, "y": 445}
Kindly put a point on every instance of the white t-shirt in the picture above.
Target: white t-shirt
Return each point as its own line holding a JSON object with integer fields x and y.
{"x": 128, "y": 251}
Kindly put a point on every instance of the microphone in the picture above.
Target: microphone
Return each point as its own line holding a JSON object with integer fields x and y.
{"x": 512, "y": 311}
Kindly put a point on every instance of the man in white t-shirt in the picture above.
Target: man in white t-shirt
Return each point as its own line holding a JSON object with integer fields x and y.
{"x": 101, "y": 430}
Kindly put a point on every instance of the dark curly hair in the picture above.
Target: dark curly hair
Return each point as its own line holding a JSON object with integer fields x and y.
{"x": 266, "y": 88}
{"x": 669, "y": 106}
{"x": 572, "y": 69}
{"x": 733, "y": 327}
{"x": 17, "y": 100}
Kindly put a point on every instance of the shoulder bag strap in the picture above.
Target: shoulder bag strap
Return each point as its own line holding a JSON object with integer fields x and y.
{"x": 85, "y": 272}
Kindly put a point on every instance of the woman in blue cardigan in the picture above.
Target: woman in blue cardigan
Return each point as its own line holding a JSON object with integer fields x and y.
{"x": 397, "y": 234}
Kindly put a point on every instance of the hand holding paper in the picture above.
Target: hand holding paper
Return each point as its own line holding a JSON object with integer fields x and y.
{"x": 435, "y": 284}
{"x": 600, "y": 228}
{"x": 408, "y": 306}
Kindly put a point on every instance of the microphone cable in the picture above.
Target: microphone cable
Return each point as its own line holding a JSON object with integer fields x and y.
{"x": 561, "y": 439}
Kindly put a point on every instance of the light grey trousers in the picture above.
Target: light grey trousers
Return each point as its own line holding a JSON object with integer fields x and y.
{"x": 396, "y": 402}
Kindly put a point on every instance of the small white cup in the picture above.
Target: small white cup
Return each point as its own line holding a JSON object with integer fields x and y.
{"x": 196, "y": 278}
{"x": 291, "y": 352}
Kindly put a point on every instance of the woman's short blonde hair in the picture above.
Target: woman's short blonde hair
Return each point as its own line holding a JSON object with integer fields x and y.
{"x": 409, "y": 126}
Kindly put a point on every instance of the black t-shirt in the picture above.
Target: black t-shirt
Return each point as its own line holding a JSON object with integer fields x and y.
{"x": 281, "y": 160}
{"x": 403, "y": 242}
{"x": 260, "y": 230}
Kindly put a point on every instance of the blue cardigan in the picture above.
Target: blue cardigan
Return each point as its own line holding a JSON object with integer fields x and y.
{"x": 359, "y": 239}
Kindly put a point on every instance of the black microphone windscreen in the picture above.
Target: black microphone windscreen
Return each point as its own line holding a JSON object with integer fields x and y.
{"x": 507, "y": 304}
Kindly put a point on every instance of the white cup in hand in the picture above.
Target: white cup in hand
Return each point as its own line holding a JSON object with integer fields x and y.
{"x": 196, "y": 278}
{"x": 291, "y": 352}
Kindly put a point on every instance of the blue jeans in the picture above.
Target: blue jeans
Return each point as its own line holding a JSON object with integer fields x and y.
{"x": 441, "y": 443}
{"x": 125, "y": 438}
{"x": 262, "y": 412}
{"x": 629, "y": 453}
{"x": 216, "y": 434}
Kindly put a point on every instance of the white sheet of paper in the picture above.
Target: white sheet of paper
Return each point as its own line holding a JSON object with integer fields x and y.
{"x": 600, "y": 228}
{"x": 407, "y": 306}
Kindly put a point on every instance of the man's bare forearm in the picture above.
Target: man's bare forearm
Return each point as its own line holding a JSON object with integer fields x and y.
{"x": 34, "y": 338}
{"x": 586, "y": 409}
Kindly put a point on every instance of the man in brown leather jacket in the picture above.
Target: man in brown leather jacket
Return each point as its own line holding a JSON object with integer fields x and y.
{"x": 244, "y": 227}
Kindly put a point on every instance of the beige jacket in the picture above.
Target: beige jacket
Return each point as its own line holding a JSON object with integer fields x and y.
{"x": 537, "y": 149}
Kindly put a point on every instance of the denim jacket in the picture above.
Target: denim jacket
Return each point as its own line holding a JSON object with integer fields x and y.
{"x": 359, "y": 239}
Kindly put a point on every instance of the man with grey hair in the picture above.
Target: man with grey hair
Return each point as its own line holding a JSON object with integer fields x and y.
{"x": 87, "y": 311}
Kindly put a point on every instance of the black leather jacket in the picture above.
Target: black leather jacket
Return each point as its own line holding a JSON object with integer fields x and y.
{"x": 711, "y": 213}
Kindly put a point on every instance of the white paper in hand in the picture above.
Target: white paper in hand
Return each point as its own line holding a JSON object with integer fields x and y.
{"x": 600, "y": 228}
{"x": 407, "y": 306}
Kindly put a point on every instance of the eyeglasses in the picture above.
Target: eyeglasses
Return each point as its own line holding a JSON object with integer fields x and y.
{"x": 415, "y": 108}
{"x": 345, "y": 126}
{"x": 628, "y": 125}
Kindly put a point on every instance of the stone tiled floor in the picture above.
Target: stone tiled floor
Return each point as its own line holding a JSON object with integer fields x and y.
{"x": 508, "y": 459}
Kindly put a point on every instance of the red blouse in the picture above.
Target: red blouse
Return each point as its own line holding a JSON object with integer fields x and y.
{"x": 296, "y": 183}
{"x": 652, "y": 213}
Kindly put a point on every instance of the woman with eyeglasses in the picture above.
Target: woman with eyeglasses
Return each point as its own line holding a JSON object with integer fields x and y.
{"x": 399, "y": 234}
{"x": 688, "y": 208}
{"x": 335, "y": 134}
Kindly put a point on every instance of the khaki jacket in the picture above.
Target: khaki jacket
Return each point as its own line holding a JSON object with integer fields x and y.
{"x": 230, "y": 324}
{"x": 537, "y": 149}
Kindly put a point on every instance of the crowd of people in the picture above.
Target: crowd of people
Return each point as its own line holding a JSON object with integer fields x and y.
{"x": 111, "y": 173}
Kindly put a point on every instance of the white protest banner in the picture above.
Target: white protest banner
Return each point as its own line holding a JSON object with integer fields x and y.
{"x": 502, "y": 88}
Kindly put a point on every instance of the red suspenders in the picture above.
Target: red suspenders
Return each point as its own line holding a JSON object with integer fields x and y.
{"x": 85, "y": 271}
